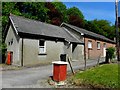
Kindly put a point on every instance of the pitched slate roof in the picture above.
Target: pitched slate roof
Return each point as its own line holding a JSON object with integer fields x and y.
{"x": 88, "y": 33}
{"x": 37, "y": 28}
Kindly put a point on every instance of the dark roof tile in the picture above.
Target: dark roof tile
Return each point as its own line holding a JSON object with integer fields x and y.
{"x": 88, "y": 33}
{"x": 29, "y": 26}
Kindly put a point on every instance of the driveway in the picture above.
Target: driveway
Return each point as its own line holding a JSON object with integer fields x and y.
{"x": 36, "y": 76}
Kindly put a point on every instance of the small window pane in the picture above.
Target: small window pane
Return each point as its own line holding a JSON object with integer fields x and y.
{"x": 98, "y": 45}
{"x": 41, "y": 43}
{"x": 89, "y": 44}
{"x": 42, "y": 50}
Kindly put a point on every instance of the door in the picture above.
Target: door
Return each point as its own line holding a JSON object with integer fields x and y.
{"x": 11, "y": 57}
{"x": 104, "y": 50}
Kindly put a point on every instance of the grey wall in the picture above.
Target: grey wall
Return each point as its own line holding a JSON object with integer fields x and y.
{"x": 78, "y": 53}
{"x": 31, "y": 52}
{"x": 14, "y": 47}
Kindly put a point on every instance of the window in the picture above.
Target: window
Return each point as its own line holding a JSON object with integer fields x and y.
{"x": 104, "y": 45}
{"x": 89, "y": 44}
{"x": 42, "y": 48}
{"x": 98, "y": 45}
{"x": 10, "y": 42}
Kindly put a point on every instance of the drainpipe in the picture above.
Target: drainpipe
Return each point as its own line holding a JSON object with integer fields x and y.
{"x": 22, "y": 54}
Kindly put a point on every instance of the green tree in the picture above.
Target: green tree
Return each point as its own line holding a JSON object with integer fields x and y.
{"x": 91, "y": 26}
{"x": 7, "y": 8}
{"x": 102, "y": 27}
{"x": 62, "y": 10}
{"x": 74, "y": 11}
{"x": 105, "y": 28}
{"x": 75, "y": 17}
{"x": 36, "y": 10}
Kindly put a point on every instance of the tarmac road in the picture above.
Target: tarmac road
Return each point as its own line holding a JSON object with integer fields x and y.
{"x": 32, "y": 77}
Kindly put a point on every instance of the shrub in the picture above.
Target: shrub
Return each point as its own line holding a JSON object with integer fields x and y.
{"x": 111, "y": 52}
{"x": 3, "y": 51}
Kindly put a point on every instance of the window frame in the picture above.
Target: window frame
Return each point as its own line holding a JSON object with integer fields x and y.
{"x": 44, "y": 48}
{"x": 98, "y": 45}
{"x": 90, "y": 46}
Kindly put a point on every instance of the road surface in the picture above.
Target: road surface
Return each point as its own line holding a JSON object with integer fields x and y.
{"x": 33, "y": 77}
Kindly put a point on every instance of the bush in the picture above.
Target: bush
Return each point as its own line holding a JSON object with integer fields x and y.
{"x": 110, "y": 53}
{"x": 3, "y": 51}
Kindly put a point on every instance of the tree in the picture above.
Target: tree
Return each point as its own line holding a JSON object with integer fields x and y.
{"x": 62, "y": 10}
{"x": 91, "y": 26}
{"x": 75, "y": 12}
{"x": 53, "y": 14}
{"x": 75, "y": 17}
{"x": 105, "y": 28}
{"x": 7, "y": 8}
{"x": 36, "y": 11}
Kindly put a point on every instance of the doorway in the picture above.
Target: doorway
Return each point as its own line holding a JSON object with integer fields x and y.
{"x": 104, "y": 50}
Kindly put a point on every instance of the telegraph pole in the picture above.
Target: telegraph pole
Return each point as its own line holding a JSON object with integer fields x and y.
{"x": 117, "y": 32}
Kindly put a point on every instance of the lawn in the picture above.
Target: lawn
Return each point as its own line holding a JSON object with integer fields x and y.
{"x": 103, "y": 76}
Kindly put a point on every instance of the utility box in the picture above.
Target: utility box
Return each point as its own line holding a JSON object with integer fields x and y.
{"x": 59, "y": 70}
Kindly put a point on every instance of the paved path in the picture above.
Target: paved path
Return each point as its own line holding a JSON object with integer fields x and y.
{"x": 32, "y": 77}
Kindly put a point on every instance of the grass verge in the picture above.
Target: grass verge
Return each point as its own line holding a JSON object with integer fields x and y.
{"x": 103, "y": 76}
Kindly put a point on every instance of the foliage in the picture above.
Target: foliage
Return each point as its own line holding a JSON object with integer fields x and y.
{"x": 74, "y": 11}
{"x": 105, "y": 28}
{"x": 55, "y": 17}
{"x": 0, "y": 30}
{"x": 3, "y": 50}
{"x": 111, "y": 51}
{"x": 75, "y": 17}
{"x": 102, "y": 27}
{"x": 103, "y": 76}
{"x": 7, "y": 8}
{"x": 31, "y": 10}
{"x": 62, "y": 9}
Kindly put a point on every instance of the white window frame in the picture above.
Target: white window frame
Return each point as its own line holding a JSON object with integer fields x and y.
{"x": 98, "y": 45}
{"x": 42, "y": 47}
{"x": 89, "y": 44}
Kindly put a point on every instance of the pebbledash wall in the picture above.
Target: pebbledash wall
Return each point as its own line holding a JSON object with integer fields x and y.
{"x": 54, "y": 49}
{"x": 94, "y": 52}
{"x": 31, "y": 54}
